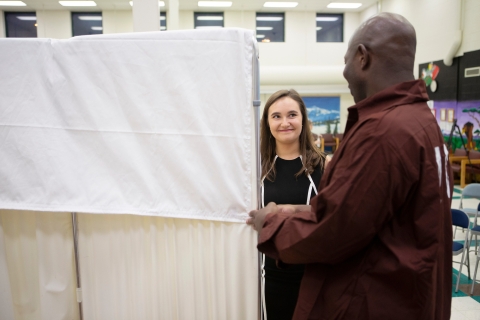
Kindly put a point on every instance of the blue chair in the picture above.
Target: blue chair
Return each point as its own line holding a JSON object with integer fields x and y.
{"x": 475, "y": 231}
{"x": 472, "y": 191}
{"x": 461, "y": 219}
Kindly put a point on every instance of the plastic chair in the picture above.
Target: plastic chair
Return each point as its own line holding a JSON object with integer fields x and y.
{"x": 461, "y": 219}
{"x": 475, "y": 231}
{"x": 473, "y": 191}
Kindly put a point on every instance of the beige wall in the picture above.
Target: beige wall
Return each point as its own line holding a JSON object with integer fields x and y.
{"x": 117, "y": 21}
{"x": 2, "y": 24}
{"x": 300, "y": 62}
{"x": 54, "y": 24}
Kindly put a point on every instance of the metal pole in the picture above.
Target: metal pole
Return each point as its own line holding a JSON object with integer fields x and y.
{"x": 77, "y": 266}
{"x": 256, "y": 106}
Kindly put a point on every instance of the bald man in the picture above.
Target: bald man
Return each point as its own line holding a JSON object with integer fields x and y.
{"x": 377, "y": 241}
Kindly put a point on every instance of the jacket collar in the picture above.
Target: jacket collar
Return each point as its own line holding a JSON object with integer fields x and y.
{"x": 399, "y": 94}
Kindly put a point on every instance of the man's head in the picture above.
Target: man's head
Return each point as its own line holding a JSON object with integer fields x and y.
{"x": 381, "y": 53}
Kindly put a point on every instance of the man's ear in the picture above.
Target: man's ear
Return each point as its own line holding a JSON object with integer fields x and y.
{"x": 364, "y": 56}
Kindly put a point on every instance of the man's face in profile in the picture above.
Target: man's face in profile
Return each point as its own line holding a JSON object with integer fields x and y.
{"x": 349, "y": 72}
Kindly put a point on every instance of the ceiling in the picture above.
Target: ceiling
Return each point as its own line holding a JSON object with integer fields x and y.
{"x": 238, "y": 5}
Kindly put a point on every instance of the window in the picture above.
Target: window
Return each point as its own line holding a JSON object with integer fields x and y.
{"x": 329, "y": 27}
{"x": 163, "y": 21}
{"x": 270, "y": 27}
{"x": 206, "y": 19}
{"x": 85, "y": 23}
{"x": 21, "y": 24}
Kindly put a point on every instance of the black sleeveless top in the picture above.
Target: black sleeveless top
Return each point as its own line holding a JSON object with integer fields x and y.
{"x": 288, "y": 189}
{"x": 282, "y": 285}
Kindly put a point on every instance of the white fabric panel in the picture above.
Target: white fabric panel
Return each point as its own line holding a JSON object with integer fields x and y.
{"x": 39, "y": 261}
{"x": 131, "y": 267}
{"x": 150, "y": 123}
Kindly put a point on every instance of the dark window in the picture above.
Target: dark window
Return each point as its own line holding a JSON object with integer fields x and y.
{"x": 163, "y": 21}
{"x": 208, "y": 19}
{"x": 84, "y": 23}
{"x": 21, "y": 24}
{"x": 329, "y": 27}
{"x": 270, "y": 27}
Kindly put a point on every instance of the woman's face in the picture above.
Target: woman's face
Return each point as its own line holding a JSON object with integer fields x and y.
{"x": 285, "y": 120}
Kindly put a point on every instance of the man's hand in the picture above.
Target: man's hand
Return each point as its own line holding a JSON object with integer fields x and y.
{"x": 258, "y": 216}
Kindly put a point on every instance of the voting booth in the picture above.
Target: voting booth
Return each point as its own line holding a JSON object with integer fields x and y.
{"x": 128, "y": 165}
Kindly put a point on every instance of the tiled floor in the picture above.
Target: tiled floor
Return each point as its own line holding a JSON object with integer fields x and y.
{"x": 464, "y": 306}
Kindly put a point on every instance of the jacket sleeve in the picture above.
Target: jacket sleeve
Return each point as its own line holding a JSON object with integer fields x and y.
{"x": 359, "y": 193}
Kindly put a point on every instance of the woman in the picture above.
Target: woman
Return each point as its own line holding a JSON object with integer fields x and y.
{"x": 291, "y": 170}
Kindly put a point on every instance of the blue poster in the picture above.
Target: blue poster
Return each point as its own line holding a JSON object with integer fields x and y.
{"x": 324, "y": 112}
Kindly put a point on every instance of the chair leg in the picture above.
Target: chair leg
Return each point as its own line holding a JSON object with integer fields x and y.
{"x": 460, "y": 271}
{"x": 475, "y": 274}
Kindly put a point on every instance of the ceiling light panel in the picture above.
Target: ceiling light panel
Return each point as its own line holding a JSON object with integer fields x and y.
{"x": 210, "y": 18}
{"x": 12, "y": 4}
{"x": 28, "y": 18}
{"x": 215, "y": 3}
{"x": 90, "y": 18}
{"x": 269, "y": 18}
{"x": 280, "y": 4}
{"x": 78, "y": 3}
{"x": 344, "y": 5}
{"x": 264, "y": 28}
{"x": 327, "y": 18}
{"x": 160, "y": 3}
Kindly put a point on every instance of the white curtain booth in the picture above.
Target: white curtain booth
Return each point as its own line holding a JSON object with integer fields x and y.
{"x": 149, "y": 139}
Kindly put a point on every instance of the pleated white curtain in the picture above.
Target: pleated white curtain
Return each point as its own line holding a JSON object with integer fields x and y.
{"x": 131, "y": 267}
{"x": 150, "y": 138}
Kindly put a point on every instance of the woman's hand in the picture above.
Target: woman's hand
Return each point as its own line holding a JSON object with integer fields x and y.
{"x": 292, "y": 209}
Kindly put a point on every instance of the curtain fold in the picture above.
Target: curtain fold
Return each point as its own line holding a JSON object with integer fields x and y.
{"x": 131, "y": 267}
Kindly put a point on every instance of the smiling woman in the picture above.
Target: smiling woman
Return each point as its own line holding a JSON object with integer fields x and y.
{"x": 291, "y": 171}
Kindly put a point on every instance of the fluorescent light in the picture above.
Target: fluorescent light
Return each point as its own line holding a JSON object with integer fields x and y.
{"x": 29, "y": 18}
{"x": 265, "y": 28}
{"x": 90, "y": 18}
{"x": 319, "y": 28}
{"x": 214, "y": 3}
{"x": 210, "y": 18}
{"x": 78, "y": 3}
{"x": 162, "y": 18}
{"x": 344, "y": 5}
{"x": 208, "y": 27}
{"x": 260, "y": 36}
{"x": 163, "y": 28}
{"x": 327, "y": 18}
{"x": 280, "y": 4}
{"x": 97, "y": 28}
{"x": 13, "y": 3}
{"x": 160, "y": 3}
{"x": 269, "y": 18}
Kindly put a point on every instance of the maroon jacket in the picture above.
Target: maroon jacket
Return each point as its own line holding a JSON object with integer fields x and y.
{"x": 378, "y": 244}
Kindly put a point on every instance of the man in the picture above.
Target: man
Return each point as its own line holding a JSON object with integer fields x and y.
{"x": 378, "y": 240}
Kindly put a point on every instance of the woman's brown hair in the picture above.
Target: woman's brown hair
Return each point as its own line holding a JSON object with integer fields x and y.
{"x": 311, "y": 156}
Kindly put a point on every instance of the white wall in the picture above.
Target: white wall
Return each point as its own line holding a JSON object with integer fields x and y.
{"x": 54, "y": 24}
{"x": 300, "y": 62}
{"x": 2, "y": 25}
{"x": 436, "y": 22}
{"x": 117, "y": 21}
